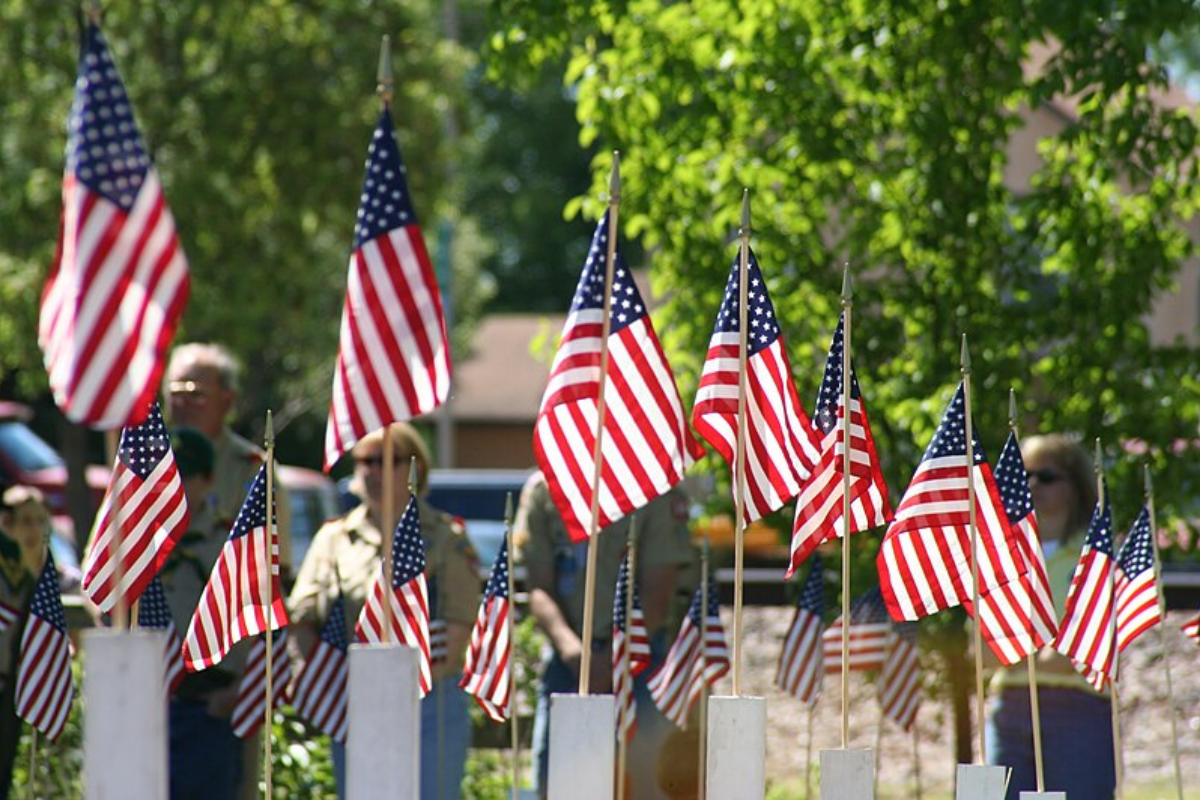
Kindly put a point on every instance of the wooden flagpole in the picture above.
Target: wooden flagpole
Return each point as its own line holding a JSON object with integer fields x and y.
{"x": 1112, "y": 629}
{"x": 739, "y": 472}
{"x": 441, "y": 605}
{"x": 1162, "y": 628}
{"x": 270, "y": 577}
{"x": 1031, "y": 659}
{"x": 916, "y": 741}
{"x": 808, "y": 752}
{"x": 515, "y": 763}
{"x": 387, "y": 524}
{"x": 589, "y": 583}
{"x": 622, "y": 746}
{"x": 122, "y": 617}
{"x": 847, "y": 309}
{"x": 978, "y": 627}
{"x": 702, "y": 722}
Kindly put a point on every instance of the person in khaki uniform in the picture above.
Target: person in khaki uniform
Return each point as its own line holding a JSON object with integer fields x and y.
{"x": 343, "y": 561}
{"x": 555, "y": 572}
{"x": 24, "y": 533}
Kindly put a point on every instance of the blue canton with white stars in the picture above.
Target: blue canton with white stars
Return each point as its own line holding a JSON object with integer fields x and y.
{"x": 1137, "y": 551}
{"x": 144, "y": 446}
{"x": 619, "y": 617}
{"x": 714, "y": 603}
{"x": 253, "y": 513}
{"x": 812, "y": 596}
{"x": 497, "y": 585}
{"x": 104, "y": 148}
{"x": 408, "y": 552}
{"x": 333, "y": 632}
{"x": 47, "y": 599}
{"x": 760, "y": 314}
{"x": 153, "y": 611}
{"x": 385, "y": 203}
{"x": 1100, "y": 536}
{"x": 869, "y": 608}
{"x": 627, "y": 306}
{"x": 1013, "y": 482}
{"x": 830, "y": 394}
{"x": 950, "y": 439}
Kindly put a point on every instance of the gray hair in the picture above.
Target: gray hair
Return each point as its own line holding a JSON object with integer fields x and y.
{"x": 228, "y": 368}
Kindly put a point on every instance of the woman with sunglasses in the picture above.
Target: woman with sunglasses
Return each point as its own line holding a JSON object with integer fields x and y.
{"x": 341, "y": 565}
{"x": 1077, "y": 751}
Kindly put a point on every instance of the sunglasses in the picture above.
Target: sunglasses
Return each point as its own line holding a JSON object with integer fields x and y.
{"x": 1045, "y": 476}
{"x": 377, "y": 461}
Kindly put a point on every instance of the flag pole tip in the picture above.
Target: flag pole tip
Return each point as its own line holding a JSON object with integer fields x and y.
{"x": 412, "y": 475}
{"x": 1149, "y": 482}
{"x": 614, "y": 178}
{"x": 385, "y": 77}
{"x": 847, "y": 284}
{"x": 92, "y": 9}
{"x": 966, "y": 354}
{"x": 1012, "y": 408}
{"x": 508, "y": 508}
{"x": 1099, "y": 457}
{"x": 270, "y": 429}
{"x": 745, "y": 227}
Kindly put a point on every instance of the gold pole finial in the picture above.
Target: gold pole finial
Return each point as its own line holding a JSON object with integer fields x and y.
{"x": 614, "y": 178}
{"x": 965, "y": 358}
{"x": 1099, "y": 465}
{"x": 269, "y": 436}
{"x": 1012, "y": 409}
{"x": 412, "y": 475}
{"x": 386, "y": 81}
{"x": 744, "y": 230}
{"x": 847, "y": 288}
{"x": 1147, "y": 480}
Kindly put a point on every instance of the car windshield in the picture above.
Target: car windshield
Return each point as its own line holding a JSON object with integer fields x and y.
{"x": 26, "y": 448}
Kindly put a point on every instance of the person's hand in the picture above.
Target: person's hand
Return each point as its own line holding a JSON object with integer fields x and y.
{"x": 571, "y": 654}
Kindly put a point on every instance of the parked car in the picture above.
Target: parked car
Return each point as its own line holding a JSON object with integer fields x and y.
{"x": 478, "y": 497}
{"x": 312, "y": 499}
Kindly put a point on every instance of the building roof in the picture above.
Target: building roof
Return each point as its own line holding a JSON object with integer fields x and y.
{"x": 503, "y": 377}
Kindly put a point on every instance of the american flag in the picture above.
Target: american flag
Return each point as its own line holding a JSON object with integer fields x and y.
{"x": 393, "y": 357}
{"x": 1016, "y": 624}
{"x": 120, "y": 283}
{"x": 647, "y": 444}
{"x": 870, "y": 628}
{"x": 437, "y": 625}
{"x": 925, "y": 560}
{"x": 802, "y": 660}
{"x": 320, "y": 691}
{"x": 629, "y": 635}
{"x": 900, "y": 680}
{"x": 249, "y": 712}
{"x": 1191, "y": 628}
{"x": 8, "y": 615}
{"x": 145, "y": 511}
{"x": 487, "y": 672}
{"x": 408, "y": 597}
{"x": 242, "y": 596}
{"x": 819, "y": 506}
{"x": 781, "y": 447}
{"x": 694, "y": 661}
{"x": 44, "y": 690}
{"x": 1086, "y": 635}
{"x": 1137, "y": 590}
{"x": 155, "y": 615}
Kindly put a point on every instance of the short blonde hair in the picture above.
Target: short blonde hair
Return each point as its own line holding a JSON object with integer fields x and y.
{"x": 407, "y": 443}
{"x": 1065, "y": 453}
{"x": 19, "y": 495}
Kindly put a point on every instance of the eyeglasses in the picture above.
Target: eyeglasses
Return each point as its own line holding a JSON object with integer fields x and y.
{"x": 377, "y": 461}
{"x": 1045, "y": 476}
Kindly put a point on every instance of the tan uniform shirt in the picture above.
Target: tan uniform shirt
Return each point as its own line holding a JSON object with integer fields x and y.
{"x": 662, "y": 540}
{"x": 346, "y": 555}
{"x": 16, "y": 589}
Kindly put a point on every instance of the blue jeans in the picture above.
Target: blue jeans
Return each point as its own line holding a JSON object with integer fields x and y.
{"x": 1077, "y": 746}
{"x": 456, "y": 738}
{"x": 652, "y": 726}
{"x": 205, "y": 757}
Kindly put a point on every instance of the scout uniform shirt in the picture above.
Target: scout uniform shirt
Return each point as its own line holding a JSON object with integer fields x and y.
{"x": 346, "y": 556}
{"x": 16, "y": 588}
{"x": 662, "y": 540}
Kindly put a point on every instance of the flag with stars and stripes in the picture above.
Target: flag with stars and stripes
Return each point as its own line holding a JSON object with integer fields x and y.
{"x": 1191, "y": 629}
{"x": 249, "y": 712}
{"x": 820, "y": 504}
{"x": 646, "y": 443}
{"x": 120, "y": 280}
{"x": 408, "y": 597}
{"x": 393, "y": 360}
{"x": 630, "y": 649}
{"x": 487, "y": 671}
{"x": 781, "y": 447}
{"x": 144, "y": 514}
{"x": 1137, "y": 587}
{"x": 438, "y": 644}
{"x": 802, "y": 660}
{"x": 925, "y": 559}
{"x": 242, "y": 597}
{"x": 1018, "y": 623}
{"x": 1085, "y": 634}
{"x": 870, "y": 628}
{"x": 320, "y": 694}
{"x": 900, "y": 679}
{"x": 44, "y": 692}
{"x": 155, "y": 615}
{"x": 698, "y": 658}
